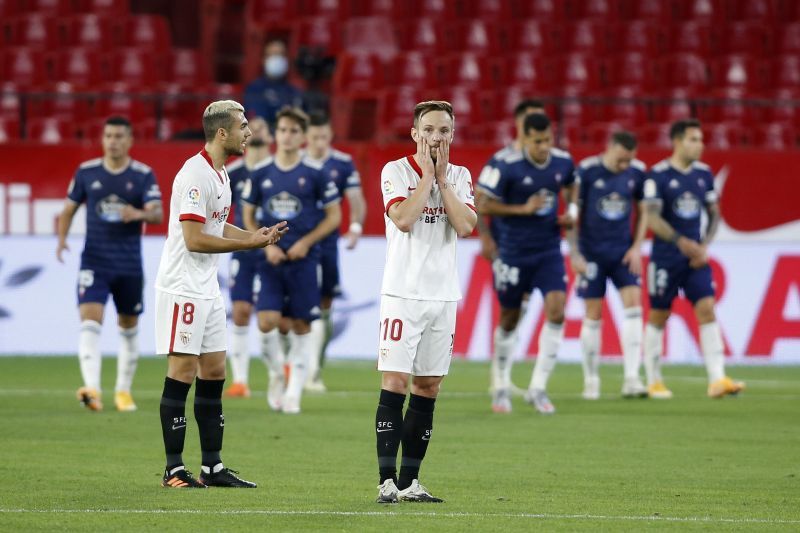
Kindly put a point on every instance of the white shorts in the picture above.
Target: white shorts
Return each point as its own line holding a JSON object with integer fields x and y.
{"x": 416, "y": 336}
{"x": 189, "y": 325}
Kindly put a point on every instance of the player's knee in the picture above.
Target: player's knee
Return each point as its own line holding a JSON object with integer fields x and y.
{"x": 556, "y": 316}
{"x": 301, "y": 327}
{"x": 426, "y": 387}
{"x": 658, "y": 318}
{"x": 394, "y": 382}
{"x": 127, "y": 321}
{"x": 509, "y": 318}
{"x": 266, "y": 324}
{"x": 704, "y": 311}
{"x": 241, "y": 314}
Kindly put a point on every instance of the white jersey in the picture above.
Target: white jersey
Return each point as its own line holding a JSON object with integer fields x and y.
{"x": 421, "y": 264}
{"x": 202, "y": 194}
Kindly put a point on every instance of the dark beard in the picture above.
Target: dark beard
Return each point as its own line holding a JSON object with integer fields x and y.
{"x": 257, "y": 143}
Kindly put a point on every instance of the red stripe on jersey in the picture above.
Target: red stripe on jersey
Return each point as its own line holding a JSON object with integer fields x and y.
{"x": 394, "y": 201}
{"x": 414, "y": 165}
{"x": 175, "y": 311}
{"x": 471, "y": 207}
{"x": 211, "y": 164}
{"x": 190, "y": 216}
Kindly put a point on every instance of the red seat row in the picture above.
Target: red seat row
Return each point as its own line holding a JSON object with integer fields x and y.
{"x": 9, "y": 8}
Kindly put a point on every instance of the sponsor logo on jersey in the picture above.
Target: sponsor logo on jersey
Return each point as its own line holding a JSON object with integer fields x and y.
{"x": 599, "y": 184}
{"x": 96, "y": 185}
{"x": 686, "y": 206}
{"x": 613, "y": 206}
{"x": 193, "y": 195}
{"x": 109, "y": 209}
{"x": 185, "y": 336}
{"x": 334, "y": 173}
{"x": 388, "y": 187}
{"x": 549, "y": 202}
{"x": 301, "y": 181}
{"x": 673, "y": 184}
{"x": 701, "y": 182}
{"x": 266, "y": 184}
{"x": 221, "y": 216}
{"x": 527, "y": 180}
{"x": 284, "y": 206}
{"x": 129, "y": 186}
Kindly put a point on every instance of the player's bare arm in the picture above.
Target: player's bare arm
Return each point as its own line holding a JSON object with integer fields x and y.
{"x": 358, "y": 212}
{"x": 333, "y": 217}
{"x": 570, "y": 215}
{"x": 249, "y": 216}
{"x": 64, "y": 222}
{"x": 712, "y": 210}
{"x": 461, "y": 217}
{"x": 151, "y": 213}
{"x": 405, "y": 213}
{"x": 199, "y": 241}
{"x": 492, "y": 206}
{"x": 664, "y": 231}
{"x": 633, "y": 257}
{"x": 576, "y": 259}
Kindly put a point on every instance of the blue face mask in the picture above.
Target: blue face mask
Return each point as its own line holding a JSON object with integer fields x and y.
{"x": 276, "y": 66}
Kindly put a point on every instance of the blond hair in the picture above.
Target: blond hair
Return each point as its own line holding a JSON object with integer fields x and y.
{"x": 218, "y": 115}
{"x": 424, "y": 108}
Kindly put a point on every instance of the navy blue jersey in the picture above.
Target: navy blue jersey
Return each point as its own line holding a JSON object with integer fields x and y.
{"x": 338, "y": 167}
{"x": 682, "y": 196}
{"x": 297, "y": 195}
{"x": 607, "y": 202}
{"x": 239, "y": 174}
{"x": 513, "y": 181}
{"x": 499, "y": 155}
{"x": 112, "y": 245}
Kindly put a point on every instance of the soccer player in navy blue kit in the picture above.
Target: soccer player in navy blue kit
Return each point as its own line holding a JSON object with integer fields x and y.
{"x": 486, "y": 231}
{"x": 610, "y": 186}
{"x": 120, "y": 194}
{"x": 522, "y": 193}
{"x": 338, "y": 167}
{"x": 287, "y": 188}
{"x": 677, "y": 190}
{"x": 243, "y": 275}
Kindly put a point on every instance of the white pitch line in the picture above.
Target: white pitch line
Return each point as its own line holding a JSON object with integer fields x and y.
{"x": 544, "y": 516}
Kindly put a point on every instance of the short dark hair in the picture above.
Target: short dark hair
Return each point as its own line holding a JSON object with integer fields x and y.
{"x": 625, "y": 139}
{"x": 318, "y": 118}
{"x": 526, "y": 104}
{"x": 117, "y": 120}
{"x": 294, "y": 114}
{"x": 423, "y": 108}
{"x": 679, "y": 127}
{"x": 536, "y": 121}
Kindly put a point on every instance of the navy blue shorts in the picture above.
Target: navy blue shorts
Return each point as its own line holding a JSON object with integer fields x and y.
{"x": 330, "y": 272}
{"x": 546, "y": 273}
{"x": 291, "y": 288}
{"x": 244, "y": 275}
{"x": 666, "y": 280}
{"x": 592, "y": 284}
{"x": 94, "y": 286}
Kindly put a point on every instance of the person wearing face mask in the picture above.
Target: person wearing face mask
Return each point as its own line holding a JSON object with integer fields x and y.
{"x": 263, "y": 97}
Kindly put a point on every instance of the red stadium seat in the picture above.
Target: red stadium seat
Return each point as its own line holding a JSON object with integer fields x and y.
{"x": 604, "y": 10}
{"x": 682, "y": 70}
{"x": 707, "y": 10}
{"x": 187, "y": 67}
{"x": 51, "y": 130}
{"x": 657, "y": 136}
{"x": 268, "y": 12}
{"x": 9, "y": 129}
{"x": 423, "y": 35}
{"x": 373, "y": 35}
{"x": 466, "y": 70}
{"x": 788, "y": 39}
{"x": 24, "y": 66}
{"x": 443, "y": 10}
{"x": 786, "y": 72}
{"x": 81, "y": 67}
{"x": 36, "y": 30}
{"x": 570, "y": 134}
{"x": 136, "y": 67}
{"x": 630, "y": 70}
{"x": 505, "y": 101}
{"x": 317, "y": 32}
{"x": 470, "y": 112}
{"x": 724, "y": 135}
{"x": 358, "y": 74}
{"x": 179, "y": 105}
{"x": 501, "y": 133}
{"x": 776, "y": 136}
{"x": 737, "y": 71}
{"x": 573, "y": 109}
{"x": 102, "y": 33}
{"x": 148, "y": 32}
{"x": 9, "y": 100}
{"x": 729, "y": 104}
{"x": 651, "y": 10}
{"x": 143, "y": 129}
{"x": 544, "y": 10}
{"x": 625, "y": 106}
{"x": 64, "y": 104}
{"x": 122, "y": 99}
{"x": 674, "y": 105}
{"x": 532, "y": 36}
{"x": 411, "y": 68}
{"x": 168, "y": 128}
{"x": 526, "y": 68}
{"x": 500, "y": 10}
{"x": 51, "y": 7}
{"x": 586, "y": 36}
{"x": 335, "y": 9}
{"x": 690, "y": 37}
{"x": 636, "y": 36}
{"x": 10, "y": 8}
{"x": 599, "y": 132}
{"x": 753, "y": 38}
{"x": 577, "y": 72}
{"x": 111, "y": 8}
{"x": 475, "y": 36}
{"x": 394, "y": 9}
{"x": 395, "y": 113}
{"x": 782, "y": 107}
{"x": 752, "y": 9}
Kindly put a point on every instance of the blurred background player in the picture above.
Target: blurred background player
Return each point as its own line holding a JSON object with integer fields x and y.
{"x": 429, "y": 203}
{"x": 677, "y": 190}
{"x": 287, "y": 188}
{"x": 337, "y": 167}
{"x": 120, "y": 194}
{"x": 266, "y": 95}
{"x": 190, "y": 312}
{"x": 522, "y": 193}
{"x": 243, "y": 284}
{"x": 486, "y": 231}
{"x": 610, "y": 184}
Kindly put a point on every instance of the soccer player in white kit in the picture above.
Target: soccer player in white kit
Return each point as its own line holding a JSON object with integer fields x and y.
{"x": 190, "y": 314}
{"x": 428, "y": 204}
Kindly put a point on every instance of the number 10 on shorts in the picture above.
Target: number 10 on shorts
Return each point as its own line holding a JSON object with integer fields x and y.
{"x": 392, "y": 328}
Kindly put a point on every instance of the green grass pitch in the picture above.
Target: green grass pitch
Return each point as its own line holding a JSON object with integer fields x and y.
{"x": 613, "y": 465}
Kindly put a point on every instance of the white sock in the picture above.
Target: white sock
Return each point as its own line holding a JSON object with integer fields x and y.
{"x": 590, "y": 345}
{"x": 653, "y": 349}
{"x": 713, "y": 350}
{"x": 239, "y": 354}
{"x": 317, "y": 341}
{"x": 299, "y": 354}
{"x": 504, "y": 344}
{"x": 632, "y": 327}
{"x": 89, "y": 353}
{"x": 286, "y": 342}
{"x": 127, "y": 358}
{"x": 272, "y": 351}
{"x": 549, "y": 342}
